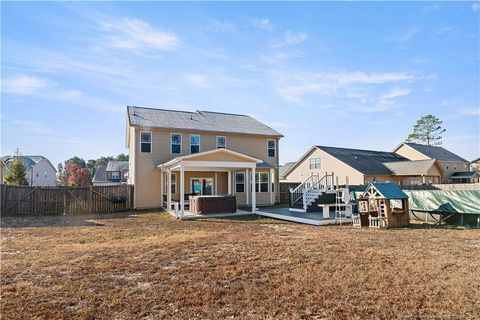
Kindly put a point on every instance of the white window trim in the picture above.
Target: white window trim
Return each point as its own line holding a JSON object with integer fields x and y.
{"x": 274, "y": 148}
{"x": 181, "y": 142}
{"x": 258, "y": 182}
{"x": 244, "y": 182}
{"x": 216, "y": 142}
{"x": 151, "y": 141}
{"x": 115, "y": 172}
{"x": 172, "y": 183}
{"x": 199, "y": 142}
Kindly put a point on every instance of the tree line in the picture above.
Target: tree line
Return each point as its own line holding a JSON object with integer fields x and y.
{"x": 78, "y": 172}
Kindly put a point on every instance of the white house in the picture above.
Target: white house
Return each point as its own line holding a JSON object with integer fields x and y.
{"x": 40, "y": 171}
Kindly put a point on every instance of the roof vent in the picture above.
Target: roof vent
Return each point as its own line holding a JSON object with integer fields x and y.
{"x": 356, "y": 157}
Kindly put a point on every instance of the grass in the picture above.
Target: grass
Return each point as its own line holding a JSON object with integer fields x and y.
{"x": 151, "y": 266}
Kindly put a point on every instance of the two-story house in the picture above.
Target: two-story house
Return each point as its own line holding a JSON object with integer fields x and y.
{"x": 176, "y": 153}
{"x": 40, "y": 171}
{"x": 113, "y": 173}
{"x": 452, "y": 164}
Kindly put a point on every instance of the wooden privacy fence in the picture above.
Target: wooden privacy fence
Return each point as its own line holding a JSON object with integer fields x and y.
{"x": 22, "y": 200}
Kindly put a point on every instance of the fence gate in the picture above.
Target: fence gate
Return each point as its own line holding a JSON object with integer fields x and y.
{"x": 22, "y": 200}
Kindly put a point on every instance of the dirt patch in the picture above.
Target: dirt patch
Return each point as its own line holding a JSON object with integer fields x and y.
{"x": 151, "y": 266}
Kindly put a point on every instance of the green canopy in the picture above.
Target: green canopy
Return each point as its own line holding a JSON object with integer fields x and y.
{"x": 445, "y": 201}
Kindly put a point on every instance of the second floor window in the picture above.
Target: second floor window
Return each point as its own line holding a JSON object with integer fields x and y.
{"x": 115, "y": 175}
{"x": 194, "y": 143}
{"x": 145, "y": 141}
{"x": 315, "y": 163}
{"x": 271, "y": 148}
{"x": 176, "y": 143}
{"x": 221, "y": 142}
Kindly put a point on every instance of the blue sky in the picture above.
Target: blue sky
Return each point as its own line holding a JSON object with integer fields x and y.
{"x": 340, "y": 74}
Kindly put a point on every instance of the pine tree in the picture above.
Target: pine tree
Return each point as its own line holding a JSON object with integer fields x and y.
{"x": 428, "y": 130}
{"x": 17, "y": 173}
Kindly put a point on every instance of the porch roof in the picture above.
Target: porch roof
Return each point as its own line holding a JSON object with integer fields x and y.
{"x": 218, "y": 158}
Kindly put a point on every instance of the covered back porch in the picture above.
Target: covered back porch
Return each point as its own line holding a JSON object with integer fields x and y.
{"x": 214, "y": 178}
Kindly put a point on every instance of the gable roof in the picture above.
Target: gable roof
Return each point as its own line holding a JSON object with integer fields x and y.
{"x": 387, "y": 190}
{"x": 364, "y": 161}
{"x": 284, "y": 169}
{"x": 434, "y": 152}
{"x": 248, "y": 158}
{"x": 116, "y": 165}
{"x": 100, "y": 174}
{"x": 28, "y": 161}
{"x": 198, "y": 120}
{"x": 412, "y": 168}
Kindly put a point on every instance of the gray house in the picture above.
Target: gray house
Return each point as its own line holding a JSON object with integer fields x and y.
{"x": 113, "y": 173}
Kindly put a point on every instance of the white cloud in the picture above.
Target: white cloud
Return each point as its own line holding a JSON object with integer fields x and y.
{"x": 220, "y": 26}
{"x": 135, "y": 34}
{"x": 403, "y": 36}
{"x": 476, "y": 7}
{"x": 198, "y": 80}
{"x": 293, "y": 85}
{"x": 23, "y": 85}
{"x": 290, "y": 39}
{"x": 469, "y": 111}
{"x": 46, "y": 89}
{"x": 262, "y": 24}
{"x": 394, "y": 93}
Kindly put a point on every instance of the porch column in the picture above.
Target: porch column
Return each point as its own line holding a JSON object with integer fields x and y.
{"x": 169, "y": 190}
{"x": 161, "y": 188}
{"x": 246, "y": 187}
{"x": 182, "y": 191}
{"x": 254, "y": 194}
{"x": 272, "y": 181}
{"x": 229, "y": 182}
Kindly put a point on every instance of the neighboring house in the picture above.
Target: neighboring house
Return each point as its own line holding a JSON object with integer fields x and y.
{"x": 3, "y": 171}
{"x": 113, "y": 173}
{"x": 358, "y": 167}
{"x": 176, "y": 153}
{"x": 285, "y": 185}
{"x": 449, "y": 161}
{"x": 475, "y": 165}
{"x": 40, "y": 171}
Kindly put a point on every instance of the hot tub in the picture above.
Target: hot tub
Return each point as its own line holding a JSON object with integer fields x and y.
{"x": 213, "y": 204}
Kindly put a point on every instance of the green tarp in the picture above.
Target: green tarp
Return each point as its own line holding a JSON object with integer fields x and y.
{"x": 447, "y": 201}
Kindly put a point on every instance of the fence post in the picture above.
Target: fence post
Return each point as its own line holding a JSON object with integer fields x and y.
{"x": 65, "y": 201}
{"x": 90, "y": 199}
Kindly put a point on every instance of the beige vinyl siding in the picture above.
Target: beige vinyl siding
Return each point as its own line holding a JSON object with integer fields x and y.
{"x": 410, "y": 153}
{"x": 328, "y": 164}
{"x": 450, "y": 167}
{"x": 146, "y": 176}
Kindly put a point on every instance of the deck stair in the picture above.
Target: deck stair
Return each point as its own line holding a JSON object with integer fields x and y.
{"x": 313, "y": 191}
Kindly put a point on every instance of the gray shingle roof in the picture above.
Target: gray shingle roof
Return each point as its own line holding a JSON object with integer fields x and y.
{"x": 116, "y": 165}
{"x": 364, "y": 161}
{"x": 100, "y": 174}
{"x": 198, "y": 120}
{"x": 465, "y": 174}
{"x": 438, "y": 153}
{"x": 410, "y": 168}
{"x": 285, "y": 168}
{"x": 28, "y": 161}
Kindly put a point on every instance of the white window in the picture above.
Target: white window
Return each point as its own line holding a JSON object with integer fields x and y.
{"x": 173, "y": 184}
{"x": 261, "y": 182}
{"x": 271, "y": 148}
{"x": 176, "y": 143}
{"x": 194, "y": 143}
{"x": 145, "y": 141}
{"x": 115, "y": 175}
{"x": 221, "y": 142}
{"x": 315, "y": 163}
{"x": 239, "y": 182}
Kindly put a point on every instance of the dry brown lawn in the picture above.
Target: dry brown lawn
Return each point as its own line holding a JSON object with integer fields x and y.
{"x": 150, "y": 266}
